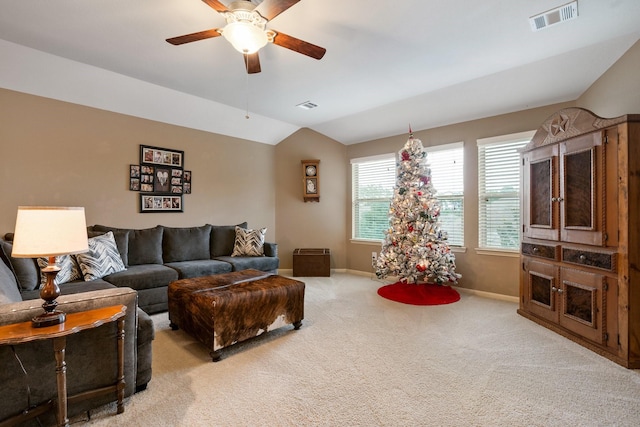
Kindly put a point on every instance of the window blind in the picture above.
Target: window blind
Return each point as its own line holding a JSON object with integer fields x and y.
{"x": 499, "y": 191}
{"x": 373, "y": 180}
{"x": 447, "y": 173}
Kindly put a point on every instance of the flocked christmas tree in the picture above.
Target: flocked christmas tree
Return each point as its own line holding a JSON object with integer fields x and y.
{"x": 415, "y": 247}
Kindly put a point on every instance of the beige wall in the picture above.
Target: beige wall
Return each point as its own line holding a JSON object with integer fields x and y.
{"x": 57, "y": 153}
{"x": 312, "y": 224}
{"x": 617, "y": 91}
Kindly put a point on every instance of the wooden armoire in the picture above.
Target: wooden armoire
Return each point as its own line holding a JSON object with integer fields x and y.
{"x": 580, "y": 250}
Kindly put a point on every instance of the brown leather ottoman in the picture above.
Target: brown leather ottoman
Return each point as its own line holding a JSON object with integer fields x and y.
{"x": 224, "y": 309}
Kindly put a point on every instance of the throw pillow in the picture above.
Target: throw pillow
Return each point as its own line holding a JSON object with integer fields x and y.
{"x": 102, "y": 258}
{"x": 9, "y": 291}
{"x": 249, "y": 242}
{"x": 25, "y": 269}
{"x": 69, "y": 270}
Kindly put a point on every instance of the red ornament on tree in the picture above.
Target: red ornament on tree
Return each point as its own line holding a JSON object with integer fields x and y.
{"x": 405, "y": 156}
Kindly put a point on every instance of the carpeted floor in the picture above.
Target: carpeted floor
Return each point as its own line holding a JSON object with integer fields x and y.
{"x": 362, "y": 360}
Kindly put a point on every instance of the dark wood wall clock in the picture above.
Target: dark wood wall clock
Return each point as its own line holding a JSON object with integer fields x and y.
{"x": 311, "y": 180}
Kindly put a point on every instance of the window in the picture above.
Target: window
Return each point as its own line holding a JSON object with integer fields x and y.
{"x": 499, "y": 190}
{"x": 447, "y": 164}
{"x": 373, "y": 180}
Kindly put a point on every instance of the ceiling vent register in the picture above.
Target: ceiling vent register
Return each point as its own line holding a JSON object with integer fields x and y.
{"x": 555, "y": 16}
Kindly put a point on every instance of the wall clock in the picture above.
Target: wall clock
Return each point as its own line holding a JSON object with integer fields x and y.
{"x": 311, "y": 180}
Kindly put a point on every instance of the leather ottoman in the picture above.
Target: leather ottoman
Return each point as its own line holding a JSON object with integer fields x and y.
{"x": 224, "y": 309}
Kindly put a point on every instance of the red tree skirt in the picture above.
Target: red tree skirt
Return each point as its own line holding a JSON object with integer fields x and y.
{"x": 419, "y": 294}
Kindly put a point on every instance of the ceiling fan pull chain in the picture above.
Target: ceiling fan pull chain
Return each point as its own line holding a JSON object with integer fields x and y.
{"x": 247, "y": 77}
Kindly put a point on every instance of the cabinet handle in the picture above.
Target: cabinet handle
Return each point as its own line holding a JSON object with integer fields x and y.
{"x": 535, "y": 249}
{"x": 582, "y": 258}
{"x": 560, "y": 291}
{"x": 554, "y": 199}
{"x": 560, "y": 199}
{"x": 554, "y": 289}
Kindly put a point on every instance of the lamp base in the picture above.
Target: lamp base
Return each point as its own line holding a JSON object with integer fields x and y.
{"x": 48, "y": 319}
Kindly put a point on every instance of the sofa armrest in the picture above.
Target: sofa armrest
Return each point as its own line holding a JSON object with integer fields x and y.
{"x": 23, "y": 311}
{"x": 271, "y": 249}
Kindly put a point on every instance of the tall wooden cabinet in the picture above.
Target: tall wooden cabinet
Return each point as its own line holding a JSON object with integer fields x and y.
{"x": 580, "y": 251}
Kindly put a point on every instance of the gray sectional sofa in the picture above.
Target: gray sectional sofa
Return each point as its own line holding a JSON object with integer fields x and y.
{"x": 152, "y": 258}
{"x": 155, "y": 257}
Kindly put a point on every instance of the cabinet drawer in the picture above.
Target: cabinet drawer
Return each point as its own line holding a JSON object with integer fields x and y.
{"x": 542, "y": 251}
{"x": 603, "y": 260}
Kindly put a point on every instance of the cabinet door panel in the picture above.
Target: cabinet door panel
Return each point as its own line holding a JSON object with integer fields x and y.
{"x": 540, "y": 187}
{"x": 583, "y": 301}
{"x": 541, "y": 283}
{"x": 582, "y": 190}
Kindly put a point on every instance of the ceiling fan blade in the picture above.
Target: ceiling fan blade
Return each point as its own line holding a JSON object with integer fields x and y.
{"x": 299, "y": 46}
{"x": 215, "y": 4}
{"x": 252, "y": 62}
{"x": 194, "y": 37}
{"x": 269, "y": 9}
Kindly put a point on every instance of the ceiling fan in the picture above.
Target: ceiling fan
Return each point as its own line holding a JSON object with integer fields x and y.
{"x": 246, "y": 30}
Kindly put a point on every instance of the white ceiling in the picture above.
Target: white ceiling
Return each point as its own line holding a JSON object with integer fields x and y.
{"x": 388, "y": 65}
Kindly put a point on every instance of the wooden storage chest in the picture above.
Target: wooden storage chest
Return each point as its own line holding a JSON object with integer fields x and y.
{"x": 311, "y": 262}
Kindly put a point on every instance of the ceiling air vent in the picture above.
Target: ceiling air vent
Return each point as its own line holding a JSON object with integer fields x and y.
{"x": 555, "y": 16}
{"x": 307, "y": 105}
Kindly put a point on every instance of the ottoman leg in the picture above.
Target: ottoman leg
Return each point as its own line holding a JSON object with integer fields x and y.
{"x": 215, "y": 355}
{"x": 296, "y": 325}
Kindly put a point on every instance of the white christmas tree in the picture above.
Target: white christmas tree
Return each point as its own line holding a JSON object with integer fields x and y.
{"x": 415, "y": 248}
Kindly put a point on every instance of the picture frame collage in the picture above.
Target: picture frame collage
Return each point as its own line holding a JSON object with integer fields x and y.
{"x": 161, "y": 179}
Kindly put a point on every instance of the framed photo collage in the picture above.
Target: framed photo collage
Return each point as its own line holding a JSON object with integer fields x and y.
{"x": 161, "y": 179}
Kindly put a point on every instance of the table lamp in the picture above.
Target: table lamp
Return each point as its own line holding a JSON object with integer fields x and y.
{"x": 45, "y": 231}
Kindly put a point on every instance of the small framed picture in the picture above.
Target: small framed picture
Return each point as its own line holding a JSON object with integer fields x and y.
{"x": 161, "y": 156}
{"x": 160, "y": 203}
{"x": 134, "y": 184}
{"x": 162, "y": 180}
{"x": 186, "y": 182}
{"x": 134, "y": 171}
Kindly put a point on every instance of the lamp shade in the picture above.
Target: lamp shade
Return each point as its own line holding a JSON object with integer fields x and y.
{"x": 46, "y": 231}
{"x": 245, "y": 37}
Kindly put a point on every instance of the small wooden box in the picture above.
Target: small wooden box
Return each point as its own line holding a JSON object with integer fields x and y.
{"x": 311, "y": 262}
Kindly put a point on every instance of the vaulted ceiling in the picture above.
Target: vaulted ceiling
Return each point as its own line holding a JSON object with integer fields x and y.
{"x": 388, "y": 64}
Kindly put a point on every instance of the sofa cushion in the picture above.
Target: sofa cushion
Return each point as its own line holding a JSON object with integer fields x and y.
{"x": 145, "y": 245}
{"x": 122, "y": 241}
{"x": 9, "y": 290}
{"x": 262, "y": 263}
{"x": 144, "y": 276}
{"x": 101, "y": 259}
{"x": 186, "y": 244}
{"x": 25, "y": 269}
{"x": 249, "y": 242}
{"x": 197, "y": 268}
{"x": 69, "y": 269}
{"x": 223, "y": 238}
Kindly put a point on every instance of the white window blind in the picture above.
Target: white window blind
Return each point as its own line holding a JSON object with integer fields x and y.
{"x": 499, "y": 191}
{"x": 373, "y": 180}
{"x": 447, "y": 173}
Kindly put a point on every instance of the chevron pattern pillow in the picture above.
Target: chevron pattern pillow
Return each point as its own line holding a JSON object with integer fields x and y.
{"x": 69, "y": 270}
{"x": 102, "y": 258}
{"x": 249, "y": 242}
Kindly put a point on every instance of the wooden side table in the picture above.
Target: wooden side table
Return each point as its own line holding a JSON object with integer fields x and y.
{"x": 19, "y": 333}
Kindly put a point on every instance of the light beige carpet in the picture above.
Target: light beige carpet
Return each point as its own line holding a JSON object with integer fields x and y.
{"x": 361, "y": 360}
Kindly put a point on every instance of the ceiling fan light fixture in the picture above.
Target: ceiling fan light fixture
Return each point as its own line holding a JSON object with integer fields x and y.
{"x": 245, "y": 37}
